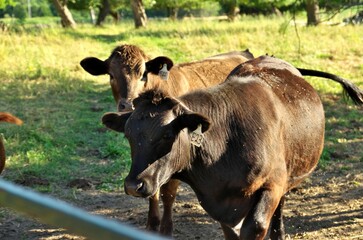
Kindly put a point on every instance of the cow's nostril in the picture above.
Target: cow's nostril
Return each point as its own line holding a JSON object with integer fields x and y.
{"x": 139, "y": 187}
{"x": 121, "y": 106}
{"x": 135, "y": 188}
{"x": 124, "y": 106}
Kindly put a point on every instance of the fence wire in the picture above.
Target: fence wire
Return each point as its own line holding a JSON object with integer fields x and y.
{"x": 61, "y": 214}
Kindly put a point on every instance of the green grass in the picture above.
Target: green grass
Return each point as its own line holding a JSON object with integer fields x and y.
{"x": 61, "y": 105}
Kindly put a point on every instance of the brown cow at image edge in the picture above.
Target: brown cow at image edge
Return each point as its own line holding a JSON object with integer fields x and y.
{"x": 6, "y": 117}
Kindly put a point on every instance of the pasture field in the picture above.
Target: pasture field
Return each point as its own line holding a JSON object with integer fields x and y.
{"x": 63, "y": 150}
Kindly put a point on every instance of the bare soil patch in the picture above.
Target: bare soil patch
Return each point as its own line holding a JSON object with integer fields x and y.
{"x": 327, "y": 206}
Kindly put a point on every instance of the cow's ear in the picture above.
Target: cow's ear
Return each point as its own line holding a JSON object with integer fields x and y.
{"x": 191, "y": 121}
{"x": 94, "y": 66}
{"x": 155, "y": 65}
{"x": 116, "y": 121}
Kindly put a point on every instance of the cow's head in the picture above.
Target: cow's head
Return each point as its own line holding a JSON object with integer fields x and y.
{"x": 158, "y": 131}
{"x": 128, "y": 67}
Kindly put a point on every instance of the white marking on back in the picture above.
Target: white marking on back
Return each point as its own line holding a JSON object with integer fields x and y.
{"x": 245, "y": 79}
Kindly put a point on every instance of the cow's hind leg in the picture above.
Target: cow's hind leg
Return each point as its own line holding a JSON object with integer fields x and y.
{"x": 277, "y": 223}
{"x": 168, "y": 193}
{"x": 257, "y": 222}
{"x": 153, "y": 218}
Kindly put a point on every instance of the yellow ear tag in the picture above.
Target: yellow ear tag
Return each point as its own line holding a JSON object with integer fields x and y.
{"x": 197, "y": 137}
{"x": 164, "y": 73}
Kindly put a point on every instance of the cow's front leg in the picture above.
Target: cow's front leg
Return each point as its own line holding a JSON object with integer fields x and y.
{"x": 153, "y": 218}
{"x": 168, "y": 193}
{"x": 229, "y": 233}
{"x": 277, "y": 231}
{"x": 257, "y": 222}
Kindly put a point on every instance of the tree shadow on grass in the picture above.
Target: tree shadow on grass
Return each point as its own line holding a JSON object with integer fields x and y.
{"x": 62, "y": 128}
{"x": 105, "y": 38}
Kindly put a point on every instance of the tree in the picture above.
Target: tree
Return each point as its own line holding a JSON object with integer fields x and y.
{"x": 41, "y": 8}
{"x": 172, "y": 7}
{"x": 312, "y": 10}
{"x": 85, "y": 5}
{"x": 19, "y": 12}
{"x": 9, "y": 7}
{"x": 230, "y": 8}
{"x": 105, "y": 7}
{"x": 64, "y": 13}
{"x": 108, "y": 7}
{"x": 4, "y": 3}
{"x": 138, "y": 10}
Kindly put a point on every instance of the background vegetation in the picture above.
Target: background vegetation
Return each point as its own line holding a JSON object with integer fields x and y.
{"x": 117, "y": 10}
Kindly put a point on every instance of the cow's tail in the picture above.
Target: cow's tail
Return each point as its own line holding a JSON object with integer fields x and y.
{"x": 350, "y": 88}
{"x": 6, "y": 117}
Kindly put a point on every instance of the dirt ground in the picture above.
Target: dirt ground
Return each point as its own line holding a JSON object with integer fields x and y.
{"x": 328, "y": 205}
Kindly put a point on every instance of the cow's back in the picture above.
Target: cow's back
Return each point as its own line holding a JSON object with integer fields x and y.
{"x": 208, "y": 72}
{"x": 300, "y": 110}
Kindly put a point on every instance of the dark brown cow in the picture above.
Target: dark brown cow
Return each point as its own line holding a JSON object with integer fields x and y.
{"x": 6, "y": 117}
{"x": 129, "y": 68}
{"x": 241, "y": 145}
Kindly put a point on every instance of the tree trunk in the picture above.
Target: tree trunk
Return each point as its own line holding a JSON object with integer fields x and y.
{"x": 105, "y": 9}
{"x": 233, "y": 13}
{"x": 230, "y": 8}
{"x": 65, "y": 15}
{"x": 92, "y": 15}
{"x": 140, "y": 17}
{"x": 312, "y": 10}
{"x": 173, "y": 13}
{"x": 115, "y": 15}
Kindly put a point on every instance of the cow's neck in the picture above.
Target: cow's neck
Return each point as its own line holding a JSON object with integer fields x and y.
{"x": 175, "y": 85}
{"x": 218, "y": 190}
{"x": 218, "y": 180}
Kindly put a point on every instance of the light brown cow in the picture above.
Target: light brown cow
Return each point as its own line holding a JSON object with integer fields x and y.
{"x": 6, "y": 117}
{"x": 128, "y": 68}
{"x": 132, "y": 72}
